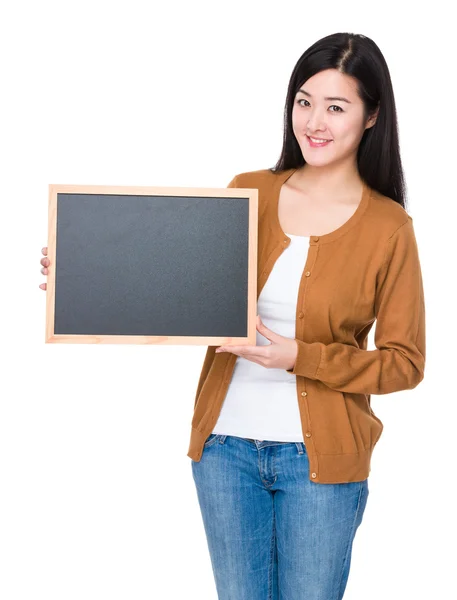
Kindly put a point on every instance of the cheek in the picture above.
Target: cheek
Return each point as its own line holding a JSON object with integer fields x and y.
{"x": 298, "y": 119}
{"x": 347, "y": 132}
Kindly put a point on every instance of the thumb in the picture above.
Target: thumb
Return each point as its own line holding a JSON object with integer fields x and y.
{"x": 263, "y": 329}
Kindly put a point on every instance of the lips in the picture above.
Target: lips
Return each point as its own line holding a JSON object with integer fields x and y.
{"x": 317, "y": 144}
{"x": 318, "y": 140}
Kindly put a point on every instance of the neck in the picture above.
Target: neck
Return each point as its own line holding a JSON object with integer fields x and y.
{"x": 330, "y": 180}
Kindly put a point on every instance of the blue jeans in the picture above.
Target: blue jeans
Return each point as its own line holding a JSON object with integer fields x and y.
{"x": 272, "y": 533}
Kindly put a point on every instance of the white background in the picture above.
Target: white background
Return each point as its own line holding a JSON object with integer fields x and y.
{"x": 97, "y": 499}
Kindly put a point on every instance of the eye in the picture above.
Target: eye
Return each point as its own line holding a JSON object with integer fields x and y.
{"x": 332, "y": 106}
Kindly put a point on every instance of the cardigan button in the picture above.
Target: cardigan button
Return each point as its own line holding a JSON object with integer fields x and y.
{"x": 308, "y": 434}
{"x": 307, "y": 273}
{"x": 313, "y": 475}
{"x": 300, "y": 315}
{"x": 316, "y": 239}
{"x": 304, "y": 393}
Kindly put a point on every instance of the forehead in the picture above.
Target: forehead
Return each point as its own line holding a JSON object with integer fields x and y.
{"x": 331, "y": 83}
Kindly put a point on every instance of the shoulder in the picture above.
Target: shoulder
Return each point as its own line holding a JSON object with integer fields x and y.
{"x": 253, "y": 179}
{"x": 391, "y": 228}
{"x": 385, "y": 215}
{"x": 264, "y": 180}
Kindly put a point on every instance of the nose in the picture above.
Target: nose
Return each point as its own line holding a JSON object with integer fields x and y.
{"x": 316, "y": 123}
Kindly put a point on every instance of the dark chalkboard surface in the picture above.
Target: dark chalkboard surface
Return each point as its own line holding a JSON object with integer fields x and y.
{"x": 152, "y": 265}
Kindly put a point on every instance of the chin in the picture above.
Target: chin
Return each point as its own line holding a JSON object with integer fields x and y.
{"x": 317, "y": 162}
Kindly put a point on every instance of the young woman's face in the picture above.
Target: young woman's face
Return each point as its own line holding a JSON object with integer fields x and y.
{"x": 327, "y": 107}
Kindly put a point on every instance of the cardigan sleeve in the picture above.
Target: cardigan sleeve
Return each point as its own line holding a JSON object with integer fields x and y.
{"x": 211, "y": 350}
{"x": 398, "y": 362}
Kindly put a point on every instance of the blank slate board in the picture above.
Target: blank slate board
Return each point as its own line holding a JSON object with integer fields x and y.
{"x": 152, "y": 265}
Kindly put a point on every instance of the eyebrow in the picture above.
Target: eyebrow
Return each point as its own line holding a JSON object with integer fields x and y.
{"x": 328, "y": 98}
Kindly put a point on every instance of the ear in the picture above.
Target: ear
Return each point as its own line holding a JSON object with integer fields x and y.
{"x": 372, "y": 119}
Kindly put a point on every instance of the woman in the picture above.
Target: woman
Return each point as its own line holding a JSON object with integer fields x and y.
{"x": 283, "y": 432}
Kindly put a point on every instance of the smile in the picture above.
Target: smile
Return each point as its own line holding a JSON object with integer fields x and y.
{"x": 316, "y": 142}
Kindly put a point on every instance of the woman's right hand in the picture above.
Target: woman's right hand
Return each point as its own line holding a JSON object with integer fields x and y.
{"x": 45, "y": 262}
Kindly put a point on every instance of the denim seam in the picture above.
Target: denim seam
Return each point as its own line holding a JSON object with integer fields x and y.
{"x": 264, "y": 481}
{"x": 210, "y": 442}
{"x": 351, "y": 537}
{"x": 272, "y": 550}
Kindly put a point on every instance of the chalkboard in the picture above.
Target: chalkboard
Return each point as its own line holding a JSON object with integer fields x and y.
{"x": 152, "y": 265}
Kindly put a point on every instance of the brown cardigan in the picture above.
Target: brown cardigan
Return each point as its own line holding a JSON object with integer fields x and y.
{"x": 366, "y": 269}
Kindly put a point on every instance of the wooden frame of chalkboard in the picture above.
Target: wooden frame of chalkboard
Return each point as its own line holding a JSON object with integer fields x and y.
{"x": 151, "y": 265}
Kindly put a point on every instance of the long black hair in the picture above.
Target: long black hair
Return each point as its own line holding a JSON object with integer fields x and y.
{"x": 378, "y": 155}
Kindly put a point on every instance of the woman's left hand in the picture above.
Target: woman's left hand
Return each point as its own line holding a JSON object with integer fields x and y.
{"x": 280, "y": 354}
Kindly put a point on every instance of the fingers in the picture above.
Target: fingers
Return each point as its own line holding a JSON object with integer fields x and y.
{"x": 45, "y": 262}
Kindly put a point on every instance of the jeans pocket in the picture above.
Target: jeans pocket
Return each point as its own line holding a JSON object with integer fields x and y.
{"x": 210, "y": 439}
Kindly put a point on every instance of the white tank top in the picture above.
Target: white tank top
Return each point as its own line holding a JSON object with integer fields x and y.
{"x": 262, "y": 403}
